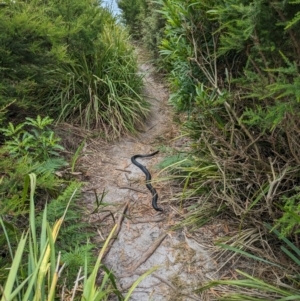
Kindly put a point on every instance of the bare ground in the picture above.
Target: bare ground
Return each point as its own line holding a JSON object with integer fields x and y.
{"x": 146, "y": 238}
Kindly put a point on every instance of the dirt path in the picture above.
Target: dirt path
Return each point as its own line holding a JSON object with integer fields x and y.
{"x": 145, "y": 239}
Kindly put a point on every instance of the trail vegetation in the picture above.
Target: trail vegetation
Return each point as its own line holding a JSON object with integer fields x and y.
{"x": 233, "y": 70}
{"x": 66, "y": 68}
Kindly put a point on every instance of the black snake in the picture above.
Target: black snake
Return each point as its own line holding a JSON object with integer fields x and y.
{"x": 148, "y": 178}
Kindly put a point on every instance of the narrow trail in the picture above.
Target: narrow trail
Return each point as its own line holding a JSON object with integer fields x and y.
{"x": 145, "y": 238}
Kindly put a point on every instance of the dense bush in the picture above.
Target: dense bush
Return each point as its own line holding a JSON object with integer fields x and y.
{"x": 234, "y": 68}
{"x": 242, "y": 69}
{"x": 32, "y": 147}
{"x": 131, "y": 10}
{"x": 71, "y": 60}
{"x": 145, "y": 23}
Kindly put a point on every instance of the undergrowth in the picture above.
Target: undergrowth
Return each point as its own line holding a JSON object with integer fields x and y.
{"x": 233, "y": 68}
{"x": 32, "y": 147}
{"x": 145, "y": 24}
{"x": 36, "y": 267}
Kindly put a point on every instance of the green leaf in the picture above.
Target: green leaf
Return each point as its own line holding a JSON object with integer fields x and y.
{"x": 236, "y": 250}
{"x": 13, "y": 272}
{"x": 140, "y": 279}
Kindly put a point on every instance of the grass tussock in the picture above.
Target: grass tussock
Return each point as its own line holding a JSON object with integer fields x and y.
{"x": 71, "y": 60}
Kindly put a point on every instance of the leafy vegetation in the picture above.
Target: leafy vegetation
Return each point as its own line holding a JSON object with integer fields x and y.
{"x": 37, "y": 279}
{"x": 60, "y": 61}
{"x": 233, "y": 67}
{"x": 32, "y": 147}
{"x": 239, "y": 118}
{"x": 144, "y": 22}
{"x": 71, "y": 60}
{"x": 24, "y": 151}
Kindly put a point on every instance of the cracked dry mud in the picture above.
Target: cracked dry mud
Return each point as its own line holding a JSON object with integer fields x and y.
{"x": 183, "y": 261}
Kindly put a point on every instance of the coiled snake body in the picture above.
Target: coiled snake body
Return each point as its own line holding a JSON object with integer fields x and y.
{"x": 148, "y": 178}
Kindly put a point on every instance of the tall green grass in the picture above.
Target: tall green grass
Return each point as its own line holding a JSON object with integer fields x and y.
{"x": 72, "y": 61}
{"x": 36, "y": 266}
{"x": 103, "y": 90}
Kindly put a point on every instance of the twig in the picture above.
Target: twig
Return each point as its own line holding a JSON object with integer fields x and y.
{"x": 100, "y": 234}
{"x": 63, "y": 291}
{"x": 151, "y": 127}
{"x": 149, "y": 252}
{"x": 216, "y": 161}
{"x": 59, "y": 270}
{"x": 258, "y": 70}
{"x": 229, "y": 108}
{"x": 291, "y": 33}
{"x": 102, "y": 218}
{"x": 134, "y": 189}
{"x": 274, "y": 183}
{"x": 288, "y": 133}
{"x": 76, "y": 285}
{"x": 119, "y": 222}
{"x": 211, "y": 74}
{"x": 256, "y": 42}
{"x": 147, "y": 220}
{"x": 123, "y": 170}
{"x": 107, "y": 162}
{"x": 174, "y": 288}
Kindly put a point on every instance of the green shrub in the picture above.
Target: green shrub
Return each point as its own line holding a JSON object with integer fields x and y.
{"x": 30, "y": 147}
{"x": 35, "y": 266}
{"x": 104, "y": 91}
{"x": 37, "y": 142}
{"x": 71, "y": 60}
{"x": 145, "y": 23}
{"x": 240, "y": 87}
{"x": 131, "y": 11}
{"x": 30, "y": 53}
{"x": 234, "y": 68}
{"x": 152, "y": 27}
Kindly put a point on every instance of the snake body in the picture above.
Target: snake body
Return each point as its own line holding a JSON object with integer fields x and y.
{"x": 148, "y": 178}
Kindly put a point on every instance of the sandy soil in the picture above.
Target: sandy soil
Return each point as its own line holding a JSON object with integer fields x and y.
{"x": 146, "y": 238}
